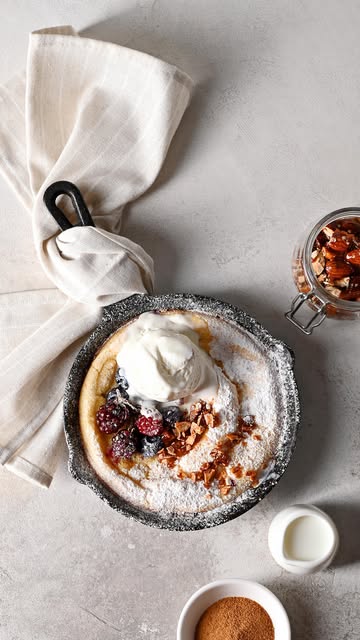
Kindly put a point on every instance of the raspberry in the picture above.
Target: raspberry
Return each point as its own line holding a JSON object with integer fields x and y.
{"x": 150, "y": 445}
{"x": 124, "y": 444}
{"x": 150, "y": 422}
{"x": 171, "y": 415}
{"x": 111, "y": 417}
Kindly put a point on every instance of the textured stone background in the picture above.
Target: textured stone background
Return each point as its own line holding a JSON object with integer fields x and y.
{"x": 269, "y": 144}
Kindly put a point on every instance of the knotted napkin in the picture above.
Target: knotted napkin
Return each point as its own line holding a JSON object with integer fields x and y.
{"x": 101, "y": 116}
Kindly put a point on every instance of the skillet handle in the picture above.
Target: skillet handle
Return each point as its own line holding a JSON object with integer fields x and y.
{"x": 63, "y": 187}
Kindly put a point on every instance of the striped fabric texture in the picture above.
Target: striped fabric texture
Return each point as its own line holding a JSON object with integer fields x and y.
{"x": 101, "y": 116}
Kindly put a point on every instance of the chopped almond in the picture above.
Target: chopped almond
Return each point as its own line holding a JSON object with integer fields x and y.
{"x": 224, "y": 490}
{"x": 208, "y": 477}
{"x": 233, "y": 437}
{"x": 238, "y": 471}
{"x": 197, "y": 428}
{"x": 328, "y": 232}
{"x": 209, "y": 419}
{"x": 180, "y": 427}
{"x": 191, "y": 439}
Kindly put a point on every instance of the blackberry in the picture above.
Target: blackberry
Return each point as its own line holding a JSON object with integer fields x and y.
{"x": 124, "y": 444}
{"x": 111, "y": 417}
{"x": 149, "y": 445}
{"x": 123, "y": 412}
{"x": 171, "y": 415}
{"x": 106, "y": 420}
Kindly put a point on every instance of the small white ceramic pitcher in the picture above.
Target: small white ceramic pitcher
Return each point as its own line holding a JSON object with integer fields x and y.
{"x": 303, "y": 539}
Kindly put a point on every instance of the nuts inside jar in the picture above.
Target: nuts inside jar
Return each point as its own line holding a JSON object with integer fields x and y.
{"x": 336, "y": 259}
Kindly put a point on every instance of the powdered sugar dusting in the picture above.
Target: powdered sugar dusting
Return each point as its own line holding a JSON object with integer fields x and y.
{"x": 284, "y": 406}
{"x": 245, "y": 386}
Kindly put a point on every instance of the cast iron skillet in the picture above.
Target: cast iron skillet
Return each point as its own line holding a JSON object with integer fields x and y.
{"x": 115, "y": 316}
{"x": 119, "y": 314}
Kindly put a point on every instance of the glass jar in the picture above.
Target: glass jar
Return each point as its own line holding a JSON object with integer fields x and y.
{"x": 325, "y": 299}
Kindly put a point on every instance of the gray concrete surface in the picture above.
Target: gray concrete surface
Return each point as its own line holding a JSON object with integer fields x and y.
{"x": 269, "y": 144}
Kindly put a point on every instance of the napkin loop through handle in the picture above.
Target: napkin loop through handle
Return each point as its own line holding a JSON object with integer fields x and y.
{"x": 63, "y": 187}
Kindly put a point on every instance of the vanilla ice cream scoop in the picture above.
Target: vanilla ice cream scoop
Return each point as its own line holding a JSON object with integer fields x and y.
{"x": 163, "y": 361}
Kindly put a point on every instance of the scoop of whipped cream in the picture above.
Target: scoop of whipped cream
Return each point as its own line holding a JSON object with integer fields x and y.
{"x": 163, "y": 361}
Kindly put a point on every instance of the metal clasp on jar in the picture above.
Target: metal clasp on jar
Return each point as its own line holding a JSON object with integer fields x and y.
{"x": 318, "y": 317}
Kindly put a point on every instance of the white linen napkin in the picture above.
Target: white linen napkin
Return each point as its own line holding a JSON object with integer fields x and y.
{"x": 101, "y": 116}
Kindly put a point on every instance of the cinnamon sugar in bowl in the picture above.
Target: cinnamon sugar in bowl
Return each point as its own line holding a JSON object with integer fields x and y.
{"x": 230, "y": 607}
{"x": 229, "y": 617}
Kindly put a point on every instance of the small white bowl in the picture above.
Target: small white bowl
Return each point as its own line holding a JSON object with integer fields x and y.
{"x": 277, "y": 533}
{"x": 210, "y": 593}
